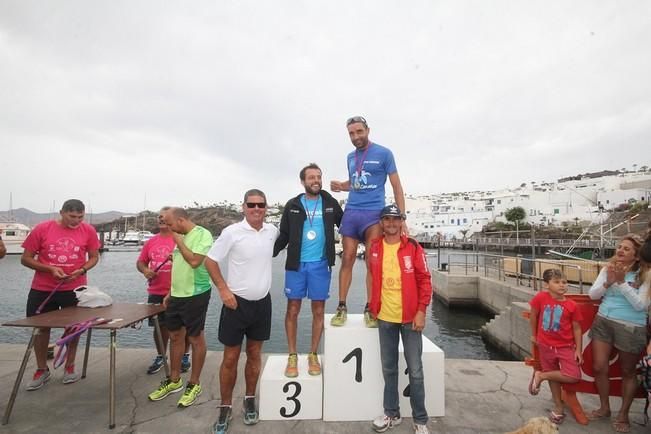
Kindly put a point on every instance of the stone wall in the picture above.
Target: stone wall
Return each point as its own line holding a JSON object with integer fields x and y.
{"x": 508, "y": 331}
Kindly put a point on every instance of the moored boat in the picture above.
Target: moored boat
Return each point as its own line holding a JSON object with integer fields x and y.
{"x": 13, "y": 234}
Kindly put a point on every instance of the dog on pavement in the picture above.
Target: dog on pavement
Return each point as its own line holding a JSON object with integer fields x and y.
{"x": 537, "y": 425}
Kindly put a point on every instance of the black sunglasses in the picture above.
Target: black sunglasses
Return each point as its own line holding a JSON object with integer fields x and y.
{"x": 356, "y": 119}
{"x": 254, "y": 204}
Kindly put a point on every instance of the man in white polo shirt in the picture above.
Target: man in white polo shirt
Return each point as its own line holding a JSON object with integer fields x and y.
{"x": 245, "y": 248}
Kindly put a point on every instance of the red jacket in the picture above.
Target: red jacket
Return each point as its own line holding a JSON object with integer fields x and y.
{"x": 414, "y": 272}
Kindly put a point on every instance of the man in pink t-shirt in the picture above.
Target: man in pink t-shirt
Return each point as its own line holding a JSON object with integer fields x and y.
{"x": 60, "y": 252}
{"x": 3, "y": 249}
{"x": 155, "y": 263}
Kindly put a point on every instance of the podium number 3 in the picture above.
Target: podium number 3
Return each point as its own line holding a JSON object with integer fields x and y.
{"x": 297, "y": 403}
{"x": 357, "y": 354}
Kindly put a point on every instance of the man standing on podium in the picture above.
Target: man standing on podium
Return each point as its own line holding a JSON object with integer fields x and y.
{"x": 401, "y": 291}
{"x": 307, "y": 228}
{"x": 369, "y": 166}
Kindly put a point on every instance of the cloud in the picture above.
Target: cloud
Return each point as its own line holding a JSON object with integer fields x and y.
{"x": 112, "y": 102}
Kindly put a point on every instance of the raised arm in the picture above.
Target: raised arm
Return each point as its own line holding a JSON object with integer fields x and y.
{"x": 192, "y": 258}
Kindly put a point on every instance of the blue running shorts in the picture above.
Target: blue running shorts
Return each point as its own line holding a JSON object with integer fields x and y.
{"x": 355, "y": 222}
{"x": 311, "y": 279}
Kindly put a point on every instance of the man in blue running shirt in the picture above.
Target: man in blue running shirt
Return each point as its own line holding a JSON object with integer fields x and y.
{"x": 369, "y": 165}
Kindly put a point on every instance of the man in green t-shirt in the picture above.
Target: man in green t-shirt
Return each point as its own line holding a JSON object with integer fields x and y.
{"x": 186, "y": 304}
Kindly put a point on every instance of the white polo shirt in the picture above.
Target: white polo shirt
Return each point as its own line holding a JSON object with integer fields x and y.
{"x": 246, "y": 253}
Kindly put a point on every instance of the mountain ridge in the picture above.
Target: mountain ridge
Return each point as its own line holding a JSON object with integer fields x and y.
{"x": 31, "y": 218}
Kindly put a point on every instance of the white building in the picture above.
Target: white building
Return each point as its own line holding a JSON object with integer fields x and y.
{"x": 455, "y": 215}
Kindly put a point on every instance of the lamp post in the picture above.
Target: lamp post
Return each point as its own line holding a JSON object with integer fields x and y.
{"x": 533, "y": 257}
{"x": 438, "y": 255}
{"x": 517, "y": 234}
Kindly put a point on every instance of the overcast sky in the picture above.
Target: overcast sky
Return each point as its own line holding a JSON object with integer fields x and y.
{"x": 130, "y": 103}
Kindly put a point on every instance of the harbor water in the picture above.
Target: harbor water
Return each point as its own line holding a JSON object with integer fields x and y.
{"x": 456, "y": 331}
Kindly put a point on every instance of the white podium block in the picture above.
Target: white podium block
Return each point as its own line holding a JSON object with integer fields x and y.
{"x": 283, "y": 398}
{"x": 353, "y": 384}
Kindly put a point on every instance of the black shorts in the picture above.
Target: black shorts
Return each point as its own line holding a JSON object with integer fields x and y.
{"x": 156, "y": 299}
{"x": 251, "y": 318}
{"x": 59, "y": 300}
{"x": 188, "y": 312}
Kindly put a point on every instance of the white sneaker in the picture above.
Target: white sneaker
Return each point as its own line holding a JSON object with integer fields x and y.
{"x": 384, "y": 422}
{"x": 420, "y": 429}
{"x": 41, "y": 376}
{"x": 70, "y": 376}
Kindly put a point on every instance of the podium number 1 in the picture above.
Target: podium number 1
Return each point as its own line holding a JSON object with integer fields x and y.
{"x": 357, "y": 354}
{"x": 297, "y": 403}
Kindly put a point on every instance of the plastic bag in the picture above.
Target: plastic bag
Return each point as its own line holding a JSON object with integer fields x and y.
{"x": 91, "y": 296}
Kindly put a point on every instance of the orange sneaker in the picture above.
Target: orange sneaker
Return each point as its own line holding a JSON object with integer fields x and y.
{"x": 314, "y": 367}
{"x": 291, "y": 370}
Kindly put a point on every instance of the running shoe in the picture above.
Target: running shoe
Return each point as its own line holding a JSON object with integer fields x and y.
{"x": 420, "y": 429}
{"x": 250, "y": 412}
{"x": 224, "y": 419}
{"x": 384, "y": 422}
{"x": 369, "y": 320}
{"x": 192, "y": 392}
{"x": 291, "y": 370}
{"x": 185, "y": 363}
{"x": 156, "y": 365}
{"x": 41, "y": 376}
{"x": 340, "y": 316}
{"x": 166, "y": 387}
{"x": 313, "y": 365}
{"x": 69, "y": 375}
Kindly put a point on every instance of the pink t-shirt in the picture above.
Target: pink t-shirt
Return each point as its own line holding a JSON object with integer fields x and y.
{"x": 61, "y": 247}
{"x": 155, "y": 252}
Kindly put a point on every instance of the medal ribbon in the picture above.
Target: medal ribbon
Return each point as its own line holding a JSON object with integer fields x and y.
{"x": 359, "y": 164}
{"x": 310, "y": 218}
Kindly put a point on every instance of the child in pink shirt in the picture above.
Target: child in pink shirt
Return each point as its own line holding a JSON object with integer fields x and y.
{"x": 555, "y": 329}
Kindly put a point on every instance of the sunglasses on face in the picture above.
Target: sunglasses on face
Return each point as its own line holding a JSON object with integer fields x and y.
{"x": 256, "y": 204}
{"x": 356, "y": 119}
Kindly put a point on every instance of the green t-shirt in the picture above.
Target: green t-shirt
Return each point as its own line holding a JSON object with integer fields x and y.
{"x": 188, "y": 281}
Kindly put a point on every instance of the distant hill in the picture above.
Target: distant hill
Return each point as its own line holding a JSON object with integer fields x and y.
{"x": 213, "y": 218}
{"x": 30, "y": 218}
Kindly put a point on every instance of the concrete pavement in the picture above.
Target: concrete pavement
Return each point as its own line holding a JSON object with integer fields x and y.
{"x": 481, "y": 397}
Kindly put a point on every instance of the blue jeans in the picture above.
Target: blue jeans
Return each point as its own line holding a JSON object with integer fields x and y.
{"x": 413, "y": 349}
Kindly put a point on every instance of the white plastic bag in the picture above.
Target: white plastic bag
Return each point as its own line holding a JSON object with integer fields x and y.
{"x": 91, "y": 296}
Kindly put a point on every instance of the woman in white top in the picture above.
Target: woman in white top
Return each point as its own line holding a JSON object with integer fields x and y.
{"x": 623, "y": 288}
{"x": 645, "y": 257}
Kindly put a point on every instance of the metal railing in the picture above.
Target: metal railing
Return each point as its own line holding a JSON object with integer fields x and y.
{"x": 525, "y": 242}
{"x": 607, "y": 242}
{"x": 520, "y": 270}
